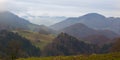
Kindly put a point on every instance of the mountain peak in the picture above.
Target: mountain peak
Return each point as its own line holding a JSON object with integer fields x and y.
{"x": 9, "y": 20}
{"x": 6, "y": 13}
{"x": 92, "y": 15}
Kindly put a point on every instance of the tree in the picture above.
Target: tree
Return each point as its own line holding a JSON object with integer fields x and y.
{"x": 14, "y": 49}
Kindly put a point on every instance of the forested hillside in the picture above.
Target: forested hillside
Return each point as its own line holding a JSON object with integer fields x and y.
{"x": 14, "y": 46}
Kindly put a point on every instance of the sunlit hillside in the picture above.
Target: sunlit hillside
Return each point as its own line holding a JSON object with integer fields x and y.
{"x": 38, "y": 39}
{"x": 111, "y": 56}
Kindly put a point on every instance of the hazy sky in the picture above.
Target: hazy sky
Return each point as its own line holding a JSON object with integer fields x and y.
{"x": 63, "y": 7}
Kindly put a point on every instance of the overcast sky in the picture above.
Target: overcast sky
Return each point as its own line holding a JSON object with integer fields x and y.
{"x": 63, "y": 7}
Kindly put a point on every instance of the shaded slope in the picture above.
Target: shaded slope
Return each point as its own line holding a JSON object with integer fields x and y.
{"x": 65, "y": 44}
{"x": 11, "y": 44}
{"x": 84, "y": 33}
{"x": 99, "y": 40}
{"x": 79, "y": 30}
{"x": 116, "y": 45}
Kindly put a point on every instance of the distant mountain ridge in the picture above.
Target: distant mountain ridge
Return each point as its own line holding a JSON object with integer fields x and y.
{"x": 86, "y": 34}
{"x": 92, "y": 20}
{"x": 10, "y": 21}
{"x": 80, "y": 30}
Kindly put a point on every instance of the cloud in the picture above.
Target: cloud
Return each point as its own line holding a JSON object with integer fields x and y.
{"x": 2, "y": 5}
{"x": 69, "y": 7}
{"x": 64, "y": 7}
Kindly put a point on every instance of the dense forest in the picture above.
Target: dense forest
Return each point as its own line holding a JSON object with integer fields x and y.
{"x": 14, "y": 46}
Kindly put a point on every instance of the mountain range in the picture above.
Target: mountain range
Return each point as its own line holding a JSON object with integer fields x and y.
{"x": 88, "y": 34}
{"x": 71, "y": 26}
{"x": 92, "y": 20}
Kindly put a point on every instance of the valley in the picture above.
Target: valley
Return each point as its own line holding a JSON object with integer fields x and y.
{"x": 70, "y": 39}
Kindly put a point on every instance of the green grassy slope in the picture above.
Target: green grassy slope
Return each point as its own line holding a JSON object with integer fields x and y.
{"x": 111, "y": 56}
{"x": 39, "y": 40}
